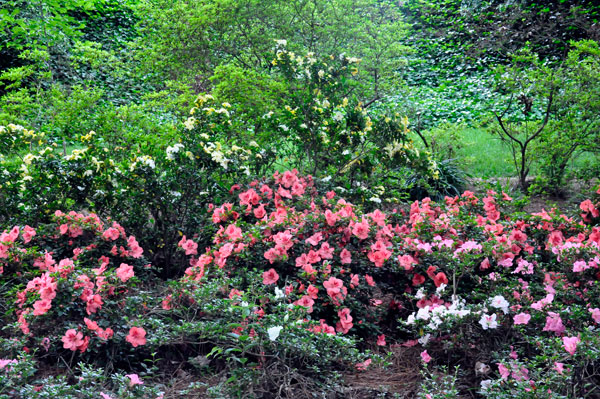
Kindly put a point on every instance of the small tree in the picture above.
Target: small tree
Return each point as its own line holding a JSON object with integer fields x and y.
{"x": 576, "y": 124}
{"x": 532, "y": 87}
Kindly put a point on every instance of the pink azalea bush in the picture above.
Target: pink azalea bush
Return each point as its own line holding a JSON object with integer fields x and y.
{"x": 292, "y": 271}
{"x": 72, "y": 281}
{"x": 433, "y": 269}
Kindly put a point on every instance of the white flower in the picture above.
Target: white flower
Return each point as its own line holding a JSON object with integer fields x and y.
{"x": 485, "y": 385}
{"x": 148, "y": 161}
{"x": 423, "y": 313}
{"x": 500, "y": 303}
{"x": 410, "y": 320}
{"x": 488, "y": 321}
{"x": 279, "y": 294}
{"x": 440, "y": 289}
{"x": 420, "y": 293}
{"x": 88, "y": 172}
{"x": 274, "y": 332}
{"x": 189, "y": 123}
{"x": 281, "y": 42}
{"x": 375, "y": 199}
{"x": 27, "y": 159}
{"x": 171, "y": 151}
{"x": 424, "y": 339}
{"x": 321, "y": 73}
{"x": 338, "y": 116}
{"x": 284, "y": 128}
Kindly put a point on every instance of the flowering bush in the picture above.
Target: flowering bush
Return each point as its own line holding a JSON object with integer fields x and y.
{"x": 314, "y": 123}
{"x": 462, "y": 271}
{"x": 293, "y": 272}
{"x": 74, "y": 283}
{"x": 156, "y": 193}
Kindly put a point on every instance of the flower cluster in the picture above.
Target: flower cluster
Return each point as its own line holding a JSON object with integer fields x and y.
{"x": 75, "y": 267}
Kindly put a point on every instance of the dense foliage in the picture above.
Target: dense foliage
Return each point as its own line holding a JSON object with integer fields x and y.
{"x": 258, "y": 199}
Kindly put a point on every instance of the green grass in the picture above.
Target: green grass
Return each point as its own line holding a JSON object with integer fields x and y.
{"x": 482, "y": 154}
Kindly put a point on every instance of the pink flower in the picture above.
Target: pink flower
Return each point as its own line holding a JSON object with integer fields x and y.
{"x": 105, "y": 334}
{"x": 63, "y": 228}
{"x": 559, "y": 367}
{"x": 92, "y": 325}
{"x": 354, "y": 282}
{"x": 363, "y": 365}
{"x": 190, "y": 247}
{"x": 381, "y": 340}
{"x": 307, "y": 302}
{"x": 406, "y": 261}
{"x": 6, "y": 362}
{"x": 333, "y": 286}
{"x": 72, "y": 340}
{"x": 315, "y": 239}
{"x": 105, "y": 396}
{"x": 504, "y": 372}
{"x": 418, "y": 280}
{"x": 166, "y": 302}
{"x": 288, "y": 179}
{"x": 440, "y": 279}
{"x": 554, "y": 323}
{"x": 134, "y": 379}
{"x": 345, "y": 323}
{"x": 570, "y": 344}
{"x": 260, "y": 212}
{"x": 425, "y": 357}
{"x": 233, "y": 232}
{"x": 28, "y": 233}
{"x": 588, "y": 207}
{"x": 272, "y": 254}
{"x": 125, "y": 272}
{"x": 522, "y": 318}
{"x": 361, "y": 230}
{"x": 326, "y": 251}
{"x": 135, "y": 250}
{"x": 346, "y": 257}
{"x": 330, "y": 217}
{"x": 111, "y": 234}
{"x": 270, "y": 277}
{"x": 595, "y": 315}
{"x": 379, "y": 257}
{"x": 136, "y": 337}
{"x": 312, "y": 291}
{"x": 41, "y": 307}
{"x": 93, "y": 303}
{"x": 579, "y": 266}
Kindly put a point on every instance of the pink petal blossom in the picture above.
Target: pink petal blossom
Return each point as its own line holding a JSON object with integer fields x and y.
{"x": 522, "y": 318}
{"x": 570, "y": 344}
{"x": 425, "y": 356}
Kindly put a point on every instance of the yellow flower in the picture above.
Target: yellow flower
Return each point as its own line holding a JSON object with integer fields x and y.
{"x": 27, "y": 159}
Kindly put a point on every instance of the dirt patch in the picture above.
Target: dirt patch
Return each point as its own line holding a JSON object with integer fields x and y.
{"x": 402, "y": 378}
